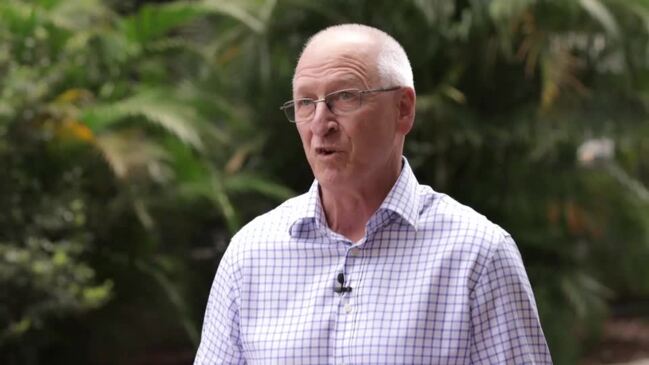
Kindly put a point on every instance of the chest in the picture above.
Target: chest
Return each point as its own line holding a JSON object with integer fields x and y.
{"x": 408, "y": 304}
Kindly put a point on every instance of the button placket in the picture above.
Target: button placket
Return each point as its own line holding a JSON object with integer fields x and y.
{"x": 347, "y": 314}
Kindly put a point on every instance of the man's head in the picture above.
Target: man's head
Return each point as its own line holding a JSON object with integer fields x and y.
{"x": 391, "y": 62}
{"x": 353, "y": 144}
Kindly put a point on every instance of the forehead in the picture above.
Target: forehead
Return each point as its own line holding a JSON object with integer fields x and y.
{"x": 338, "y": 62}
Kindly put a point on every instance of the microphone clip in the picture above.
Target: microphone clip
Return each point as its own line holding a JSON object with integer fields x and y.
{"x": 342, "y": 288}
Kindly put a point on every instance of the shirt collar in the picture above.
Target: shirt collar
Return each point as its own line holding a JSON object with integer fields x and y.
{"x": 402, "y": 200}
{"x": 309, "y": 211}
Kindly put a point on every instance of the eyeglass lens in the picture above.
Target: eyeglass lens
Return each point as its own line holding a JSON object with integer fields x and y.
{"x": 339, "y": 101}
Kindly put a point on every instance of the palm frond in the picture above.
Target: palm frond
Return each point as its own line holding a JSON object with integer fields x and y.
{"x": 155, "y": 106}
{"x": 127, "y": 153}
{"x": 80, "y": 15}
{"x": 599, "y": 12}
{"x": 241, "y": 11}
{"x": 219, "y": 196}
{"x": 176, "y": 298}
{"x": 636, "y": 8}
{"x": 436, "y": 11}
{"x": 153, "y": 21}
{"x": 245, "y": 182}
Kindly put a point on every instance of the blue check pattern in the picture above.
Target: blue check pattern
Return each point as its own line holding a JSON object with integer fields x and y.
{"x": 433, "y": 282}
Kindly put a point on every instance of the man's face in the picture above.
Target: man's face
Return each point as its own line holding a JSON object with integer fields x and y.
{"x": 353, "y": 148}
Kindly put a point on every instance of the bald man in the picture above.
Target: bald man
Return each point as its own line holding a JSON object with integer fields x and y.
{"x": 368, "y": 266}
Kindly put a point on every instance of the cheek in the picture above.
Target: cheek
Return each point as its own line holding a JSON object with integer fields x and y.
{"x": 305, "y": 135}
{"x": 374, "y": 134}
{"x": 364, "y": 142}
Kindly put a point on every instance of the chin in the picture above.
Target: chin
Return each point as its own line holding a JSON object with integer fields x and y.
{"x": 331, "y": 179}
{"x": 331, "y": 173}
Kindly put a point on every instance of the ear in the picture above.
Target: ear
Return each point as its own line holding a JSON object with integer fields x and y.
{"x": 406, "y": 109}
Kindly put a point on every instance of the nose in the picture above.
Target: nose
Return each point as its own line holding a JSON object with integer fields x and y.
{"x": 324, "y": 121}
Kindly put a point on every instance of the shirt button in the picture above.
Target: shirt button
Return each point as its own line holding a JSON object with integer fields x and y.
{"x": 348, "y": 308}
{"x": 355, "y": 252}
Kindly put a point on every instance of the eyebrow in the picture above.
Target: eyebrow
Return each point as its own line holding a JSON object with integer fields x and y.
{"x": 344, "y": 82}
{"x": 348, "y": 82}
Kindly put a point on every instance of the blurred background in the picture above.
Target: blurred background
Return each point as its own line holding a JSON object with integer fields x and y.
{"x": 137, "y": 136}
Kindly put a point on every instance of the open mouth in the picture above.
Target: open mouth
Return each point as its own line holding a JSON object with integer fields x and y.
{"x": 325, "y": 151}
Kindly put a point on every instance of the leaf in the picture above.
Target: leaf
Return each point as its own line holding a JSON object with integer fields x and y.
{"x": 332, "y": 14}
{"x": 559, "y": 68}
{"x": 212, "y": 187}
{"x": 503, "y": 10}
{"x": 454, "y": 94}
{"x": 188, "y": 168}
{"x": 436, "y": 12}
{"x": 174, "y": 293}
{"x": 79, "y": 15}
{"x": 237, "y": 11}
{"x": 243, "y": 182}
{"x": 126, "y": 153}
{"x": 220, "y": 197}
{"x": 640, "y": 191}
{"x": 599, "y": 11}
{"x": 153, "y": 21}
{"x": 640, "y": 9}
{"x": 156, "y": 107}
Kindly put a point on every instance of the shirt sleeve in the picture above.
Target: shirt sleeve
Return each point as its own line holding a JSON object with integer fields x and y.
{"x": 505, "y": 322}
{"x": 220, "y": 342}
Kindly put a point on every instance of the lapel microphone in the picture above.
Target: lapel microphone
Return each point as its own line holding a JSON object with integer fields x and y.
{"x": 342, "y": 288}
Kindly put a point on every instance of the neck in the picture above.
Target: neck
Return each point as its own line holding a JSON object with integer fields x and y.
{"x": 348, "y": 209}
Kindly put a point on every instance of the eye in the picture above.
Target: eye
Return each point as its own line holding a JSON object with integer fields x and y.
{"x": 345, "y": 95}
{"x": 303, "y": 103}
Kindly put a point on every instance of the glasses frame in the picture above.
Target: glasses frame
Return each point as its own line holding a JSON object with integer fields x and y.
{"x": 291, "y": 103}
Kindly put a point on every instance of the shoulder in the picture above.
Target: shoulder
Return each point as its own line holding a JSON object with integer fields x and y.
{"x": 269, "y": 226}
{"x": 441, "y": 212}
{"x": 466, "y": 236}
{"x": 460, "y": 230}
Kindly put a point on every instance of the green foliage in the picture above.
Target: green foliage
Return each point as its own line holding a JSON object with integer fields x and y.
{"x": 132, "y": 136}
{"x": 40, "y": 276}
{"x": 507, "y": 93}
{"x": 105, "y": 126}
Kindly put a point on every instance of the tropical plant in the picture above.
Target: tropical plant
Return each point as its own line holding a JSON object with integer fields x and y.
{"x": 105, "y": 133}
{"x": 134, "y": 134}
{"x": 509, "y": 92}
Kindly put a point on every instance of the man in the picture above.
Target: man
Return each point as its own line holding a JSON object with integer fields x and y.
{"x": 367, "y": 267}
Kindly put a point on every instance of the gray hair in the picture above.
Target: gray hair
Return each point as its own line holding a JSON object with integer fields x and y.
{"x": 392, "y": 63}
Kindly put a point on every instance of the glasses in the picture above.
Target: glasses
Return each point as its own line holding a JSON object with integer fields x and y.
{"x": 342, "y": 101}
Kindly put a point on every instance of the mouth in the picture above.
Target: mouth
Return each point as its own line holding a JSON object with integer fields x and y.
{"x": 325, "y": 151}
